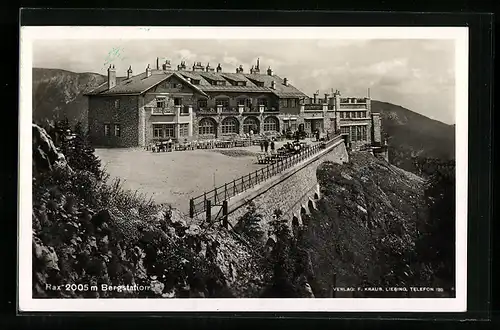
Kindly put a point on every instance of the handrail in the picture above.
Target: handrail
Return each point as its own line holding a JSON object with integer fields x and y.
{"x": 197, "y": 204}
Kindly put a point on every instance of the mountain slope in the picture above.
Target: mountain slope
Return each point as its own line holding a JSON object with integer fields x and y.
{"x": 410, "y": 134}
{"x": 59, "y": 94}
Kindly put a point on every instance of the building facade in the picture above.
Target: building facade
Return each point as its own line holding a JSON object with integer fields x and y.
{"x": 205, "y": 103}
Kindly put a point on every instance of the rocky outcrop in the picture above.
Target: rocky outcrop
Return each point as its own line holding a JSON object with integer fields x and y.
{"x": 44, "y": 153}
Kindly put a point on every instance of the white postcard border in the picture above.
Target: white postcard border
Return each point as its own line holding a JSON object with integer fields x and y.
{"x": 25, "y": 301}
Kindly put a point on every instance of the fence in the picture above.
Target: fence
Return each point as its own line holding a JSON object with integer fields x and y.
{"x": 222, "y": 193}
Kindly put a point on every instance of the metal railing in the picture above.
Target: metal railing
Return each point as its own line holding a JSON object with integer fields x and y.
{"x": 197, "y": 205}
{"x": 161, "y": 111}
{"x": 353, "y": 106}
{"x": 313, "y": 107}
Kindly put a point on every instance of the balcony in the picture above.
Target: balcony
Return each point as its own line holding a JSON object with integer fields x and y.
{"x": 353, "y": 106}
{"x": 331, "y": 107}
{"x": 313, "y": 107}
{"x": 226, "y": 110}
{"x": 206, "y": 111}
{"x": 161, "y": 111}
{"x": 185, "y": 110}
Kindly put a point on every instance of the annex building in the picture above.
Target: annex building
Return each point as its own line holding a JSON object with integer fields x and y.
{"x": 202, "y": 102}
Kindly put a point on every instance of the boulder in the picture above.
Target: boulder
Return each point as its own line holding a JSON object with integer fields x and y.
{"x": 45, "y": 154}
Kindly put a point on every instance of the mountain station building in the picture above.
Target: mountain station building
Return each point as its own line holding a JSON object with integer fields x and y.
{"x": 202, "y": 102}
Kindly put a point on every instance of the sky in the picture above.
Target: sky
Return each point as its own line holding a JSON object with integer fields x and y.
{"x": 418, "y": 74}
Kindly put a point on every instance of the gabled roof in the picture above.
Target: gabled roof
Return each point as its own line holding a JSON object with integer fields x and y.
{"x": 140, "y": 83}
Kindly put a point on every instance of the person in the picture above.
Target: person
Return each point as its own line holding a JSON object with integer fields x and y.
{"x": 272, "y": 145}
{"x": 317, "y": 135}
{"x": 266, "y": 145}
{"x": 262, "y": 146}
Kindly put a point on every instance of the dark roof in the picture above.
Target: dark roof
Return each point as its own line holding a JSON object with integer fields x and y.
{"x": 212, "y": 76}
{"x": 235, "y": 76}
{"x": 140, "y": 83}
{"x": 232, "y": 88}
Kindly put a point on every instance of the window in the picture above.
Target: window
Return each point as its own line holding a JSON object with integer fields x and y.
{"x": 293, "y": 124}
{"x": 202, "y": 103}
{"x": 363, "y": 135}
{"x": 169, "y": 130}
{"x": 195, "y": 82}
{"x": 352, "y": 133}
{"x": 342, "y": 115}
{"x": 344, "y": 129}
{"x": 117, "y": 130}
{"x": 250, "y": 123}
{"x": 117, "y": 103}
{"x": 160, "y": 102}
{"x": 163, "y": 131}
{"x": 241, "y": 83}
{"x": 308, "y": 125}
{"x": 222, "y": 102}
{"x": 292, "y": 103}
{"x": 106, "y": 129}
{"x": 178, "y": 101}
{"x": 207, "y": 126}
{"x": 158, "y": 131}
{"x": 230, "y": 125}
{"x": 248, "y": 103}
{"x": 241, "y": 101}
{"x": 263, "y": 102}
{"x": 271, "y": 124}
{"x": 183, "y": 129}
{"x": 221, "y": 83}
{"x": 348, "y": 114}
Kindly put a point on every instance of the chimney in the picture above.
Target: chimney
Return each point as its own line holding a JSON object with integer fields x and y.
{"x": 111, "y": 77}
{"x": 315, "y": 97}
{"x": 209, "y": 68}
{"x": 198, "y": 67}
{"x": 129, "y": 72}
{"x": 326, "y": 98}
{"x": 166, "y": 65}
{"x": 148, "y": 71}
{"x": 257, "y": 68}
{"x": 157, "y": 63}
{"x": 269, "y": 72}
{"x": 273, "y": 84}
{"x": 285, "y": 81}
{"x": 251, "y": 69}
{"x": 240, "y": 69}
{"x": 219, "y": 68}
{"x": 181, "y": 66}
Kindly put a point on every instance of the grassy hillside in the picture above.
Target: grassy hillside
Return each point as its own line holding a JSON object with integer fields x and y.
{"x": 410, "y": 134}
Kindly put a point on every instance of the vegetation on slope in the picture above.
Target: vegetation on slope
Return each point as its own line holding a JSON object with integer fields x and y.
{"x": 89, "y": 232}
{"x": 379, "y": 226}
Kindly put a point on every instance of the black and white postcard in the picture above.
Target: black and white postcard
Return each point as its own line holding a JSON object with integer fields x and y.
{"x": 243, "y": 169}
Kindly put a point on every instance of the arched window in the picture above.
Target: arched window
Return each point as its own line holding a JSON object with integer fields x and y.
{"x": 271, "y": 124}
{"x": 207, "y": 126}
{"x": 230, "y": 125}
{"x": 251, "y": 123}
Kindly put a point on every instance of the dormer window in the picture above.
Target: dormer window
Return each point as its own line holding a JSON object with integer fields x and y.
{"x": 160, "y": 102}
{"x": 259, "y": 83}
{"x": 241, "y": 83}
{"x": 195, "y": 82}
{"x": 220, "y": 83}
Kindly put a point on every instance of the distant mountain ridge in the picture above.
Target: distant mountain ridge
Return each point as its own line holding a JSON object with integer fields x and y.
{"x": 59, "y": 93}
{"x": 410, "y": 134}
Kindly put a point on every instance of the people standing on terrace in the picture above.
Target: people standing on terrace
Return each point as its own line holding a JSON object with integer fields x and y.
{"x": 266, "y": 145}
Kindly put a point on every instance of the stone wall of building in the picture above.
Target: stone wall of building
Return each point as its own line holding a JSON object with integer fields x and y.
{"x": 120, "y": 110}
{"x": 377, "y": 124}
